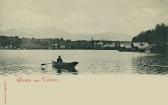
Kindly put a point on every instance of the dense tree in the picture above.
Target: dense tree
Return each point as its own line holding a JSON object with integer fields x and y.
{"x": 157, "y": 35}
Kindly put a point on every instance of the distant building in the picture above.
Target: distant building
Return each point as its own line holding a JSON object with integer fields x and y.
{"x": 54, "y": 46}
{"x": 140, "y": 46}
{"x": 111, "y": 46}
{"x": 98, "y": 45}
{"x": 125, "y": 46}
{"x": 62, "y": 46}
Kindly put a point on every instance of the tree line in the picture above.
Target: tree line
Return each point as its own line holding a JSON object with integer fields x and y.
{"x": 15, "y": 42}
{"x": 157, "y": 35}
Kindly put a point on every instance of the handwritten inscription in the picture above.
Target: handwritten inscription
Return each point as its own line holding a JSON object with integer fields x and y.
{"x": 5, "y": 88}
{"x": 3, "y": 94}
{"x": 23, "y": 80}
{"x": 42, "y": 79}
{"x": 47, "y": 79}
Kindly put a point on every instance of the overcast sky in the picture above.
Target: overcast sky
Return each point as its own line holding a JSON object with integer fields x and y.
{"x": 128, "y": 17}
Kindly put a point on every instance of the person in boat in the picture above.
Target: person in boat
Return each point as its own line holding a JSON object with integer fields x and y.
{"x": 59, "y": 59}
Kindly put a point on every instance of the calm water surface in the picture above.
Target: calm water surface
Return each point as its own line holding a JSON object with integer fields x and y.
{"x": 17, "y": 62}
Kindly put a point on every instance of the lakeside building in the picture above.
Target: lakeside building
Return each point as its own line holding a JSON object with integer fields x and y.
{"x": 140, "y": 46}
{"x": 125, "y": 46}
{"x": 98, "y": 45}
{"x": 111, "y": 46}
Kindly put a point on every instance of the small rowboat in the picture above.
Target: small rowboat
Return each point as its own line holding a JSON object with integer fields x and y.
{"x": 64, "y": 65}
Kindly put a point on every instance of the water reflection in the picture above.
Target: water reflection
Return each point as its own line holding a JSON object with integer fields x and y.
{"x": 72, "y": 71}
{"x": 150, "y": 64}
{"x": 45, "y": 69}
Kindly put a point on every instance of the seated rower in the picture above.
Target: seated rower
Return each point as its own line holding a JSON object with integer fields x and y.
{"x": 59, "y": 59}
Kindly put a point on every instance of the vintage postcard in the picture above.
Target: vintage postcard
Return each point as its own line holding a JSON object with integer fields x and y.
{"x": 83, "y": 52}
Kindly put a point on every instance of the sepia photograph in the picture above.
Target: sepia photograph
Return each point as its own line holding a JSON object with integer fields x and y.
{"x": 83, "y": 52}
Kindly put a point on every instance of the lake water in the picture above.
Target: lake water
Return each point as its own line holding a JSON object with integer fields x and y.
{"x": 19, "y": 62}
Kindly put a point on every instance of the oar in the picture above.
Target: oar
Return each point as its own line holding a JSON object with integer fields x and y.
{"x": 45, "y": 64}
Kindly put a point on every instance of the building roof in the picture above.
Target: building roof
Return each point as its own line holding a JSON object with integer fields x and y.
{"x": 109, "y": 45}
{"x": 141, "y": 45}
{"x": 126, "y": 44}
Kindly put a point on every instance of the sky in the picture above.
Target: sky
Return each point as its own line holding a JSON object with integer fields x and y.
{"x": 78, "y": 19}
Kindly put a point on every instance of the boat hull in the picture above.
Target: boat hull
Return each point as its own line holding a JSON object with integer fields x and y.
{"x": 64, "y": 65}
